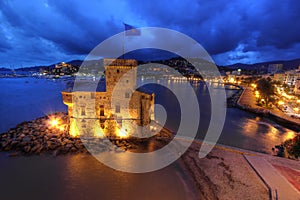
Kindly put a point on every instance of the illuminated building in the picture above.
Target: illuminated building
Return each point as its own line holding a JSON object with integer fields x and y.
{"x": 94, "y": 113}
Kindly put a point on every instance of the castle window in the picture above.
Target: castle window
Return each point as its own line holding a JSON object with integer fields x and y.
{"x": 118, "y": 109}
{"x": 126, "y": 95}
{"x": 82, "y": 110}
{"x": 127, "y": 81}
{"x": 102, "y": 110}
{"x": 118, "y": 71}
{"x": 92, "y": 95}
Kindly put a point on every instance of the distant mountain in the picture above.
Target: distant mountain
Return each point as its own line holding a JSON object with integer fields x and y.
{"x": 287, "y": 64}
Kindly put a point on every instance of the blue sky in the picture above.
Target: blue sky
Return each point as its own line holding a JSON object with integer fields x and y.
{"x": 248, "y": 31}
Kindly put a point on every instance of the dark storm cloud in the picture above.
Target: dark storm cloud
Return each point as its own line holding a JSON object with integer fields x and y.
{"x": 231, "y": 31}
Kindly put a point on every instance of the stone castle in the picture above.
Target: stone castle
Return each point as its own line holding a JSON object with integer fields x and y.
{"x": 112, "y": 109}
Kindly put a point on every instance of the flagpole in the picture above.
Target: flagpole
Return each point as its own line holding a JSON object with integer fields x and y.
{"x": 123, "y": 43}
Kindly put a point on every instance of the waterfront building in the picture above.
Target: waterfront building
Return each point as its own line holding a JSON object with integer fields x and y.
{"x": 63, "y": 68}
{"x": 288, "y": 77}
{"x": 297, "y": 86}
{"x": 106, "y": 110}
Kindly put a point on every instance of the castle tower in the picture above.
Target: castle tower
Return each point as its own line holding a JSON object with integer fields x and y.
{"x": 115, "y": 69}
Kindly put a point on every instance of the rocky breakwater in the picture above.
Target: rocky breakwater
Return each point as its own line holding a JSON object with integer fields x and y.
{"x": 232, "y": 100}
{"x": 45, "y": 136}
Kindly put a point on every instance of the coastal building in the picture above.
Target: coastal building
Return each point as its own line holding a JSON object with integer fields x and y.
{"x": 113, "y": 110}
{"x": 288, "y": 77}
{"x": 63, "y": 68}
{"x": 280, "y": 76}
{"x": 273, "y": 68}
{"x": 297, "y": 86}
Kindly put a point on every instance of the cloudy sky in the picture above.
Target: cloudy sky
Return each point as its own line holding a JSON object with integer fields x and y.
{"x": 248, "y": 31}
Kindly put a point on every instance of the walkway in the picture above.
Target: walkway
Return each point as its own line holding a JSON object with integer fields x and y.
{"x": 278, "y": 185}
{"x": 248, "y": 101}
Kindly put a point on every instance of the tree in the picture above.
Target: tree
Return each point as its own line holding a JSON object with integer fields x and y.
{"x": 266, "y": 88}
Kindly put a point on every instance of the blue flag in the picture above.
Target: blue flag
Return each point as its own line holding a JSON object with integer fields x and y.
{"x": 131, "y": 30}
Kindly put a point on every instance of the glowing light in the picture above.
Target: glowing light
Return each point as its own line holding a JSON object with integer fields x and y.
{"x": 280, "y": 103}
{"x": 298, "y": 101}
{"x": 289, "y": 135}
{"x": 98, "y": 132}
{"x": 54, "y": 122}
{"x": 231, "y": 80}
{"x": 122, "y": 133}
{"x": 61, "y": 128}
{"x": 296, "y": 109}
{"x": 253, "y": 85}
{"x": 74, "y": 132}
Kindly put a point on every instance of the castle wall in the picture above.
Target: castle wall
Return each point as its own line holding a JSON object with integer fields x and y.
{"x": 98, "y": 113}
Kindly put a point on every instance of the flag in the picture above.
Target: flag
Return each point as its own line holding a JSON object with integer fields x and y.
{"x": 131, "y": 30}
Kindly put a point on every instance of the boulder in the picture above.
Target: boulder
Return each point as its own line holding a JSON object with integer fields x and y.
{"x": 26, "y": 149}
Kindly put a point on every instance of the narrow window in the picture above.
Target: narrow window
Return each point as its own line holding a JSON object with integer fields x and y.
{"x": 101, "y": 110}
{"x": 126, "y": 95}
{"x": 92, "y": 95}
{"x": 118, "y": 109}
{"x": 82, "y": 110}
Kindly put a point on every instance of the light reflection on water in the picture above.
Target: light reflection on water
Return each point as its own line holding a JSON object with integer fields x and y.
{"x": 242, "y": 129}
{"x": 82, "y": 177}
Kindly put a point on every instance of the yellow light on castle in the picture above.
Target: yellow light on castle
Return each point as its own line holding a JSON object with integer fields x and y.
{"x": 280, "y": 102}
{"x": 74, "y": 132}
{"x": 122, "y": 133}
{"x": 98, "y": 132}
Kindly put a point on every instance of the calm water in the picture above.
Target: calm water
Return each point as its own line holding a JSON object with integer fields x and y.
{"x": 82, "y": 177}
{"x": 78, "y": 177}
{"x": 242, "y": 129}
{"x": 24, "y": 99}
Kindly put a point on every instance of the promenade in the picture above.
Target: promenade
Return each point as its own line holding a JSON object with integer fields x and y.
{"x": 281, "y": 179}
{"x": 233, "y": 173}
{"x": 247, "y": 101}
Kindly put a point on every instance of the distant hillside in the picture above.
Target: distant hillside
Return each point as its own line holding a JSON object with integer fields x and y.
{"x": 287, "y": 64}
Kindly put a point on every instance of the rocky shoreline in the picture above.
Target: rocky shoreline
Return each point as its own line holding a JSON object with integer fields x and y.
{"x": 233, "y": 99}
{"x": 38, "y": 137}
